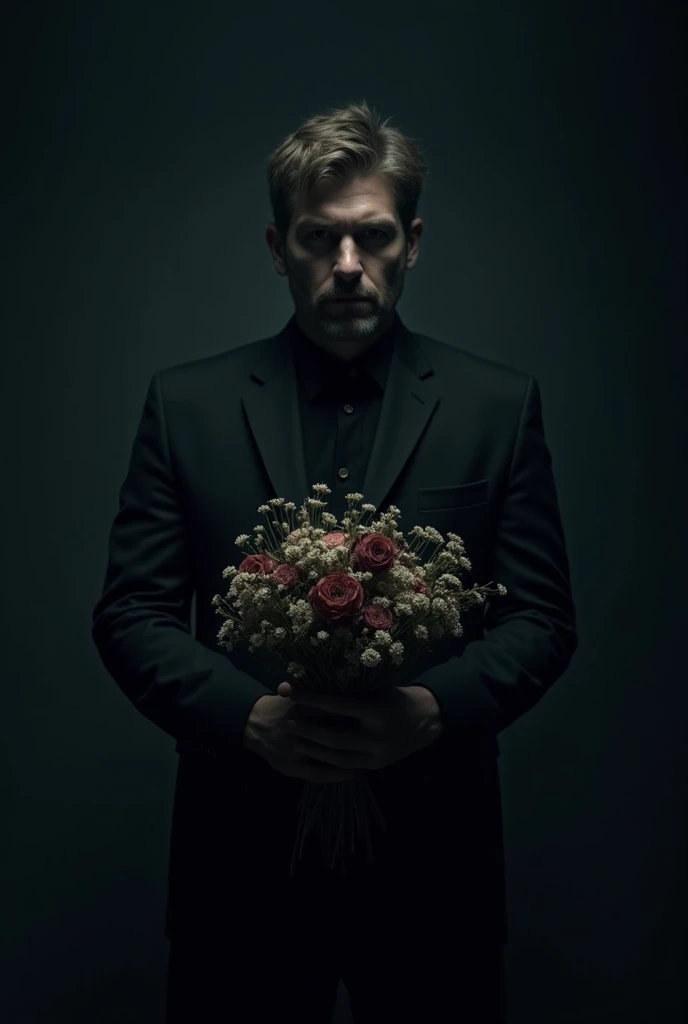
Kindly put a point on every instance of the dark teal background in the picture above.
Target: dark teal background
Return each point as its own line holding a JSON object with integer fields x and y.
{"x": 133, "y": 213}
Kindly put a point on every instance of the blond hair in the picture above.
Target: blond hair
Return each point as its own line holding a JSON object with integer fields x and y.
{"x": 335, "y": 145}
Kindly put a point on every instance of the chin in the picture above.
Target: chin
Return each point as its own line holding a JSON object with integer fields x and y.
{"x": 350, "y": 327}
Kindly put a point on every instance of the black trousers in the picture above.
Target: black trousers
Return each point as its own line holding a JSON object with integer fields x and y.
{"x": 401, "y": 955}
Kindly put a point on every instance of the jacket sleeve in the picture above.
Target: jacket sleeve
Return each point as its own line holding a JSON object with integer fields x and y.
{"x": 529, "y": 635}
{"x": 141, "y": 623}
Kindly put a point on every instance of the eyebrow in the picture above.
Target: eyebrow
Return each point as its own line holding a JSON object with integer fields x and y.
{"x": 374, "y": 222}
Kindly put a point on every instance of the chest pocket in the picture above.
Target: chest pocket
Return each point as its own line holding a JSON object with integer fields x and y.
{"x": 461, "y": 509}
{"x": 448, "y": 499}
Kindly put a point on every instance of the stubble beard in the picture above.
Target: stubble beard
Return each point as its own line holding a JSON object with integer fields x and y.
{"x": 346, "y": 327}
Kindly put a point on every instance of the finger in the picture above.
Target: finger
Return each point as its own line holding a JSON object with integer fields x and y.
{"x": 326, "y": 736}
{"x": 309, "y": 713}
{"x": 338, "y": 703}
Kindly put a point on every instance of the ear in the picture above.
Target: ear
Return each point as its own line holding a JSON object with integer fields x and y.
{"x": 276, "y": 247}
{"x": 413, "y": 242}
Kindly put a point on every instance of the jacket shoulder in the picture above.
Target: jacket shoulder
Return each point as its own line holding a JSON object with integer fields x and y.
{"x": 233, "y": 360}
{"x": 481, "y": 371}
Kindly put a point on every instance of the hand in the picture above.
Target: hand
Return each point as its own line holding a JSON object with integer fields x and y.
{"x": 266, "y": 734}
{"x": 363, "y": 732}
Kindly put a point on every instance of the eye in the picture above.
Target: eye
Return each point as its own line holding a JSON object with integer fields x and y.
{"x": 320, "y": 234}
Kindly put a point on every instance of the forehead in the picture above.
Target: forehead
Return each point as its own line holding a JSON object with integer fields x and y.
{"x": 357, "y": 198}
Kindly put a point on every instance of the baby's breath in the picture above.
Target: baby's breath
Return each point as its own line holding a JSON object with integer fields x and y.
{"x": 371, "y": 658}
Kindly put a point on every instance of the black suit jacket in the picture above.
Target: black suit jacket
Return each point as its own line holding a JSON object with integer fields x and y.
{"x": 460, "y": 445}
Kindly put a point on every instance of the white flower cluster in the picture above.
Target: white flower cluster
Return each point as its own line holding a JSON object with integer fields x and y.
{"x": 370, "y": 657}
{"x": 380, "y": 638}
{"x": 269, "y": 635}
{"x": 411, "y": 604}
{"x": 302, "y": 617}
{"x": 397, "y": 651}
{"x": 227, "y": 633}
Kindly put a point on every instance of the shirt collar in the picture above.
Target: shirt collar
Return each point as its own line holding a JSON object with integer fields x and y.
{"x": 317, "y": 368}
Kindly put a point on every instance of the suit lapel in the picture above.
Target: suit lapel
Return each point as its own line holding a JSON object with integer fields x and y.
{"x": 270, "y": 400}
{"x": 410, "y": 399}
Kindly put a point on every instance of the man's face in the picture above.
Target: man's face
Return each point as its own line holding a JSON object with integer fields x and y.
{"x": 344, "y": 240}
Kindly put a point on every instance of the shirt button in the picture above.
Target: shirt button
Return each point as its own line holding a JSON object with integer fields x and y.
{"x": 348, "y": 408}
{"x": 343, "y": 474}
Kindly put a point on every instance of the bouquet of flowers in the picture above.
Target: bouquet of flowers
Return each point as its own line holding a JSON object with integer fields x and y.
{"x": 343, "y": 609}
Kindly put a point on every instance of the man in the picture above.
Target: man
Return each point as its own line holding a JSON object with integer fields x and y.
{"x": 346, "y": 394}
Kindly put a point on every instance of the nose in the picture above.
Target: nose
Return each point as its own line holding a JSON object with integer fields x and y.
{"x": 348, "y": 265}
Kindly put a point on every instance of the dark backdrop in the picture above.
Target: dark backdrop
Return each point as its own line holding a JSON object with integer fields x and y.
{"x": 134, "y": 211}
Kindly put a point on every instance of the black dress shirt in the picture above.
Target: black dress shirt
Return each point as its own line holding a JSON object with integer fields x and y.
{"x": 339, "y": 403}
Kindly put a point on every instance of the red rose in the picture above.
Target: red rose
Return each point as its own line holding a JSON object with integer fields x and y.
{"x": 337, "y": 596}
{"x": 374, "y": 552}
{"x": 286, "y": 574}
{"x": 376, "y": 616}
{"x": 257, "y": 563}
{"x": 335, "y": 539}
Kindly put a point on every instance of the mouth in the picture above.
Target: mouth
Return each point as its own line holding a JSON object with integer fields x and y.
{"x": 349, "y": 299}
